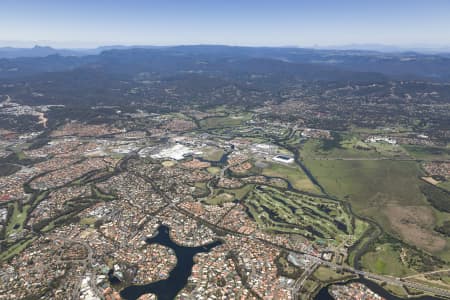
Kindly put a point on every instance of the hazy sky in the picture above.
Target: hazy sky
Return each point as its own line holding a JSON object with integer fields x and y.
{"x": 246, "y": 22}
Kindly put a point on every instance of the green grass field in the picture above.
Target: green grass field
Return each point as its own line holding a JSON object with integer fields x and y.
{"x": 367, "y": 184}
{"x": 392, "y": 257}
{"x": 16, "y": 249}
{"x": 222, "y": 122}
{"x": 220, "y": 199}
{"x": 213, "y": 170}
{"x": 201, "y": 189}
{"x": 351, "y": 147}
{"x": 444, "y": 185}
{"x": 177, "y": 115}
{"x": 427, "y": 152}
{"x": 385, "y": 260}
{"x": 88, "y": 221}
{"x": 227, "y": 195}
{"x": 325, "y": 274}
{"x": 212, "y": 153}
{"x": 293, "y": 174}
{"x": 17, "y": 219}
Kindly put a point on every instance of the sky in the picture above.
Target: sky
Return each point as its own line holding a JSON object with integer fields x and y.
{"x": 88, "y": 23}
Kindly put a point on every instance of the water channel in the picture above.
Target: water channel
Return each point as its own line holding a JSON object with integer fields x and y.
{"x": 167, "y": 289}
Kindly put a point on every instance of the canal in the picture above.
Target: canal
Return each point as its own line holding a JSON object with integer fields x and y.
{"x": 167, "y": 289}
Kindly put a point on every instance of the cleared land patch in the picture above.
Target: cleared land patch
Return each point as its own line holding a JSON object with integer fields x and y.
{"x": 415, "y": 225}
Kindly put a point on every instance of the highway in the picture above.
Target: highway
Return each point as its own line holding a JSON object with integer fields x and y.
{"x": 388, "y": 279}
{"x": 301, "y": 280}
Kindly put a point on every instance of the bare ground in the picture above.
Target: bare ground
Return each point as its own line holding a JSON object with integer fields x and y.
{"x": 415, "y": 225}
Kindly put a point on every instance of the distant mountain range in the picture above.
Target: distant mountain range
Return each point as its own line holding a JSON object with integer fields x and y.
{"x": 425, "y": 49}
{"x": 206, "y": 75}
{"x": 42, "y": 51}
{"x": 307, "y": 64}
{"x": 37, "y": 51}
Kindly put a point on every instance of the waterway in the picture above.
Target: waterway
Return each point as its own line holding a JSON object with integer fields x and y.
{"x": 167, "y": 289}
{"x": 376, "y": 288}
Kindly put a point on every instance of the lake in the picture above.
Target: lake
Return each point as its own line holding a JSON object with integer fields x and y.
{"x": 167, "y": 289}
